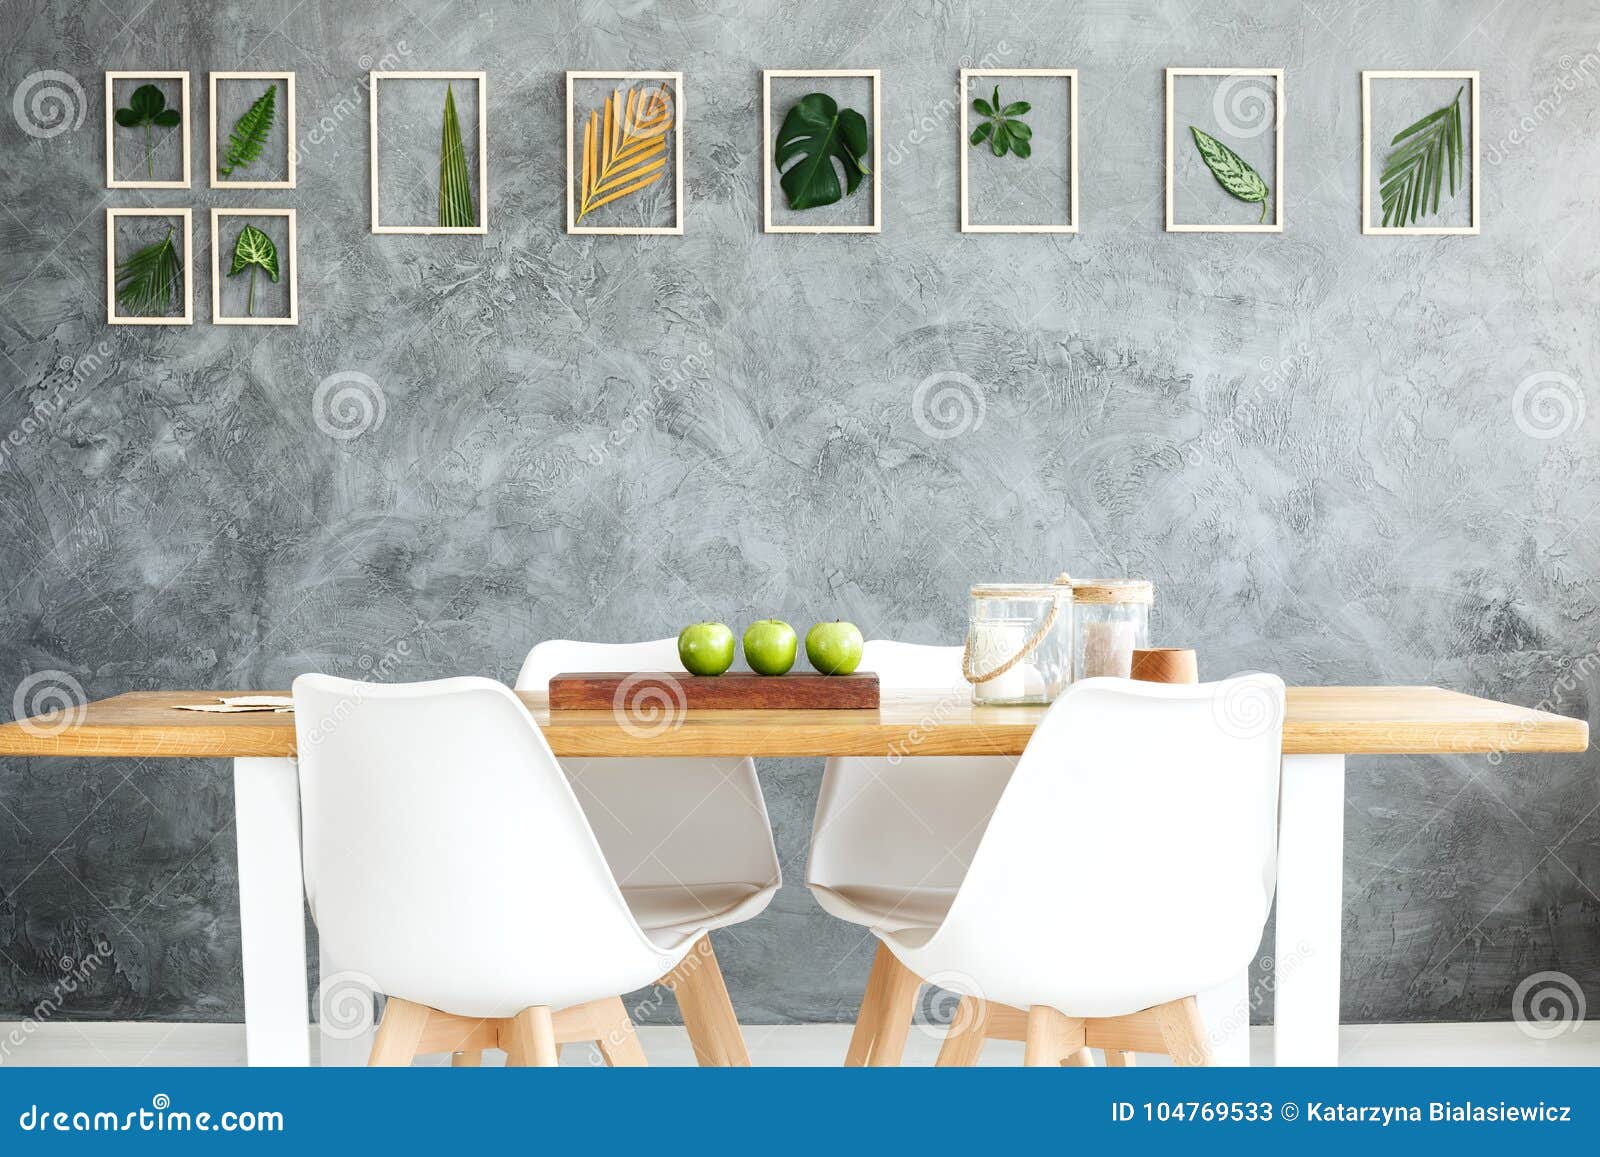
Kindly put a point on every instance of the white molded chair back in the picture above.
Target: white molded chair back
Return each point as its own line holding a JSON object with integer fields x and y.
{"x": 664, "y": 822}
{"x": 1131, "y": 860}
{"x": 445, "y": 855}
{"x": 893, "y": 836}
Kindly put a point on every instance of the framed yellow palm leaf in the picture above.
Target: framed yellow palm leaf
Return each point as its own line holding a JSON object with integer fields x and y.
{"x": 625, "y": 152}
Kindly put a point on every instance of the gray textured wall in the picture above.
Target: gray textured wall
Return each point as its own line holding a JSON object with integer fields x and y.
{"x": 1312, "y": 442}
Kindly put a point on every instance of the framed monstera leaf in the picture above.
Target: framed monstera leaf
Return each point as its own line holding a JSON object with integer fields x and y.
{"x": 255, "y": 267}
{"x": 147, "y": 130}
{"x": 1224, "y": 158}
{"x": 1019, "y": 150}
{"x": 821, "y": 154}
{"x": 1419, "y": 152}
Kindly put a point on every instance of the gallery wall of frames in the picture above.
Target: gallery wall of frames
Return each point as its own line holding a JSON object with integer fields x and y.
{"x": 428, "y": 156}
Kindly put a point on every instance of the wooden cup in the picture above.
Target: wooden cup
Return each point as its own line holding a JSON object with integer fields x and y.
{"x": 1166, "y": 665}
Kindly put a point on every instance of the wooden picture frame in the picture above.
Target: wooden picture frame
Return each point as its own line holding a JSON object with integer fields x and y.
{"x": 1368, "y": 75}
{"x": 1071, "y": 75}
{"x": 218, "y": 182}
{"x": 187, "y": 217}
{"x": 481, "y": 79}
{"x": 1276, "y": 224}
{"x": 293, "y": 274}
{"x": 676, "y": 228}
{"x": 875, "y": 77}
{"x": 182, "y": 76}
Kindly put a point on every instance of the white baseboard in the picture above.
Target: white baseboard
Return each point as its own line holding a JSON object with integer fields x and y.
{"x": 147, "y": 1044}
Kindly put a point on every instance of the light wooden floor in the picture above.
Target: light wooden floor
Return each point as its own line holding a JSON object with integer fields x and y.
{"x": 68, "y": 1043}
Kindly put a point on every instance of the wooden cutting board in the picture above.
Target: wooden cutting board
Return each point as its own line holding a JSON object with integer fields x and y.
{"x": 732, "y": 691}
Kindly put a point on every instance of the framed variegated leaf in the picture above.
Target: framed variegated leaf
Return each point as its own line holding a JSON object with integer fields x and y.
{"x": 255, "y": 267}
{"x": 1224, "y": 160}
{"x": 429, "y": 152}
{"x": 625, "y": 152}
{"x": 1419, "y": 152}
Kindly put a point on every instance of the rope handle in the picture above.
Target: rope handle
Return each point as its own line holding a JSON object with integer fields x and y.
{"x": 1027, "y": 649}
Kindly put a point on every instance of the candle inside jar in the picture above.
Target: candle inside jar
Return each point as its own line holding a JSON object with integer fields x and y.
{"x": 993, "y": 643}
{"x": 1108, "y": 649}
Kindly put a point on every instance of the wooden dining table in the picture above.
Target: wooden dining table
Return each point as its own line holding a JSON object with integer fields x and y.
{"x": 1322, "y": 726}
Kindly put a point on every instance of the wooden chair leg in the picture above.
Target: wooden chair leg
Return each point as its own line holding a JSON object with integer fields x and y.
{"x": 887, "y": 1007}
{"x": 1052, "y": 1037}
{"x": 399, "y": 1033}
{"x": 707, "y": 1011}
{"x": 964, "y": 1042}
{"x": 466, "y": 1059}
{"x": 1081, "y": 1059}
{"x": 619, "y": 1043}
{"x": 529, "y": 1038}
{"x": 1183, "y": 1031}
{"x": 1118, "y": 1059}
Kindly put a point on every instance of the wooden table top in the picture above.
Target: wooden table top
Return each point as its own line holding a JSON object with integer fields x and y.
{"x": 1319, "y": 720}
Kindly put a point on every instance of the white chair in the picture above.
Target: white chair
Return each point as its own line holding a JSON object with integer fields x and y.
{"x": 447, "y": 859}
{"x": 687, "y": 839}
{"x": 1105, "y": 948}
{"x": 893, "y": 838}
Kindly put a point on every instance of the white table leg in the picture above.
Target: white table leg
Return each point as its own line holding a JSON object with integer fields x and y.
{"x": 1310, "y": 910}
{"x": 266, "y": 819}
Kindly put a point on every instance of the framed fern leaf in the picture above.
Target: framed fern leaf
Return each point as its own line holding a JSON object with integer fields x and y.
{"x": 1428, "y": 164}
{"x": 623, "y": 152}
{"x": 242, "y": 160}
{"x": 147, "y": 268}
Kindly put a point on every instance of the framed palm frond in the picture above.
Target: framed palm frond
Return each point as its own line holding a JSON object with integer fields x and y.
{"x": 1224, "y": 158}
{"x": 433, "y": 147}
{"x": 1419, "y": 152}
{"x": 256, "y": 109}
{"x": 625, "y": 153}
{"x": 148, "y": 278}
{"x": 255, "y": 256}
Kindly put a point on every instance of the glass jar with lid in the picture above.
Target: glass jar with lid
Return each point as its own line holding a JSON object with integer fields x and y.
{"x": 1110, "y": 620}
{"x": 1019, "y": 643}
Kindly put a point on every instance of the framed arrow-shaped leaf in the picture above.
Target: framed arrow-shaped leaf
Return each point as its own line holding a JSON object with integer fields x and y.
{"x": 253, "y": 253}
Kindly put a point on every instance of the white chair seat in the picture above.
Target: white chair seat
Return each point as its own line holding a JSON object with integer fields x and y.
{"x": 673, "y": 913}
{"x": 885, "y": 908}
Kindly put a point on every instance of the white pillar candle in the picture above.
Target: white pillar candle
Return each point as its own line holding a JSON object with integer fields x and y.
{"x": 995, "y": 643}
{"x": 1108, "y": 649}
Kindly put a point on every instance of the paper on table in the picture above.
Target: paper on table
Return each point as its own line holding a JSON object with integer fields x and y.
{"x": 260, "y": 701}
{"x": 242, "y": 704}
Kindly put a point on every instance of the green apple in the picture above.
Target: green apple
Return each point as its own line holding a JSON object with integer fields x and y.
{"x": 769, "y": 646}
{"x": 834, "y": 648}
{"x": 706, "y": 648}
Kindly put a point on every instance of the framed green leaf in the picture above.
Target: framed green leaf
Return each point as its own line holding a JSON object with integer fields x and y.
{"x": 149, "y": 278}
{"x": 1232, "y": 171}
{"x": 815, "y": 134}
{"x": 147, "y": 109}
{"x": 250, "y": 131}
{"x": 254, "y": 250}
{"x": 1425, "y": 156}
{"x": 456, "y": 209}
{"x": 1003, "y": 130}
